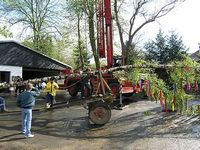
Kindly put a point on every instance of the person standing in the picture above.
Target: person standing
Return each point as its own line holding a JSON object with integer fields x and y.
{"x": 43, "y": 85}
{"x": 85, "y": 84}
{"x": 2, "y": 105}
{"x": 20, "y": 87}
{"x": 26, "y": 101}
{"x": 51, "y": 89}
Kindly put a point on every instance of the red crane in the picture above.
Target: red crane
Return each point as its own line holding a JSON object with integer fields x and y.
{"x": 104, "y": 31}
{"x": 99, "y": 110}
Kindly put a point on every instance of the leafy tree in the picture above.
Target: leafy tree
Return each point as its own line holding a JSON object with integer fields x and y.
{"x": 89, "y": 9}
{"x": 49, "y": 47}
{"x": 60, "y": 47}
{"x": 165, "y": 48}
{"x": 4, "y": 31}
{"x": 84, "y": 55}
{"x": 41, "y": 16}
{"x": 142, "y": 14}
{"x": 134, "y": 54}
{"x": 76, "y": 8}
{"x": 28, "y": 43}
{"x": 46, "y": 45}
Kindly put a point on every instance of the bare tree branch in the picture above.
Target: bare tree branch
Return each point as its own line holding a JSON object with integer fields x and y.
{"x": 142, "y": 15}
{"x": 39, "y": 15}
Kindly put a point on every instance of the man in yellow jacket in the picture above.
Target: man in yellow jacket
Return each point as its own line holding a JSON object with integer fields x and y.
{"x": 51, "y": 88}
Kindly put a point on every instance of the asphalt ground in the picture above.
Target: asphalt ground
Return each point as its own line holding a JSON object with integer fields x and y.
{"x": 140, "y": 125}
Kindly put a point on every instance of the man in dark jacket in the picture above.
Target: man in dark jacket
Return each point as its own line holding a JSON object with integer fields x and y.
{"x": 20, "y": 87}
{"x": 26, "y": 101}
{"x": 85, "y": 84}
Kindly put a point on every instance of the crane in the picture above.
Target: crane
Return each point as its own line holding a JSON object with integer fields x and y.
{"x": 104, "y": 31}
{"x": 99, "y": 109}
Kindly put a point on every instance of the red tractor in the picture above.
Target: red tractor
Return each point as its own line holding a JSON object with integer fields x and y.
{"x": 99, "y": 111}
{"x": 105, "y": 47}
{"x": 73, "y": 84}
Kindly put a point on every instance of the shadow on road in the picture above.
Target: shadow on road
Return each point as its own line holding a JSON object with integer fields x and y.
{"x": 12, "y": 137}
{"x": 68, "y": 120}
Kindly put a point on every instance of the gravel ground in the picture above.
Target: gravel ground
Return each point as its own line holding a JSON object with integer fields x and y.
{"x": 141, "y": 125}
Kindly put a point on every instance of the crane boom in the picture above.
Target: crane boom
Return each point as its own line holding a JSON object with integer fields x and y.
{"x": 100, "y": 28}
{"x": 104, "y": 30}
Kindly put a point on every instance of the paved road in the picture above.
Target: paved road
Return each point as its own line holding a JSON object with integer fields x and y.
{"x": 141, "y": 125}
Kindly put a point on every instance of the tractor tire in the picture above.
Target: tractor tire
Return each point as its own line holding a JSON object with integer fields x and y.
{"x": 73, "y": 90}
{"x": 99, "y": 113}
{"x": 115, "y": 89}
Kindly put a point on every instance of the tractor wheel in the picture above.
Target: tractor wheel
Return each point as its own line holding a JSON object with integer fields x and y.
{"x": 99, "y": 113}
{"x": 73, "y": 90}
{"x": 115, "y": 89}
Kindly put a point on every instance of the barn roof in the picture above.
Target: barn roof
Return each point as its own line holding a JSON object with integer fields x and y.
{"x": 15, "y": 54}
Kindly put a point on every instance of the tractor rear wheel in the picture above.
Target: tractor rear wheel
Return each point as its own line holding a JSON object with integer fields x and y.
{"x": 99, "y": 112}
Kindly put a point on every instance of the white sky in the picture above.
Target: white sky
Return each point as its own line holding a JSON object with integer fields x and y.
{"x": 184, "y": 20}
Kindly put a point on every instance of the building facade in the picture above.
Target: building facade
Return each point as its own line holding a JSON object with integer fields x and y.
{"x": 17, "y": 60}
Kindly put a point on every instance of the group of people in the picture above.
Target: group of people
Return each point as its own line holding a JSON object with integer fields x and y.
{"x": 20, "y": 86}
{"x": 26, "y": 101}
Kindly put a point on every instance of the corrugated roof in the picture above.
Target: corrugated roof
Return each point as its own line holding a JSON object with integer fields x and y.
{"x": 13, "y": 53}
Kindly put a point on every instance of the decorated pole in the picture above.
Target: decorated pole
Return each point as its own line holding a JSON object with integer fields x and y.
{"x": 161, "y": 97}
{"x": 148, "y": 91}
{"x": 173, "y": 97}
{"x": 166, "y": 109}
{"x": 195, "y": 87}
{"x": 173, "y": 103}
{"x": 188, "y": 87}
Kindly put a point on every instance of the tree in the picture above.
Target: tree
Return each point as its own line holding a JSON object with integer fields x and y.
{"x": 50, "y": 48}
{"x": 89, "y": 9}
{"x": 144, "y": 12}
{"x": 84, "y": 56}
{"x": 41, "y": 16}
{"x": 165, "y": 48}
{"x": 76, "y": 8}
{"x": 4, "y": 31}
{"x": 60, "y": 48}
{"x": 46, "y": 45}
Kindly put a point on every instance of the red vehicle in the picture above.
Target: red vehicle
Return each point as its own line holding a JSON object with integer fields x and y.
{"x": 105, "y": 46}
{"x": 99, "y": 110}
{"x": 73, "y": 84}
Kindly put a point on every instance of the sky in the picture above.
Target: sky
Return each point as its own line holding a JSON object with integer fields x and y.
{"x": 184, "y": 20}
